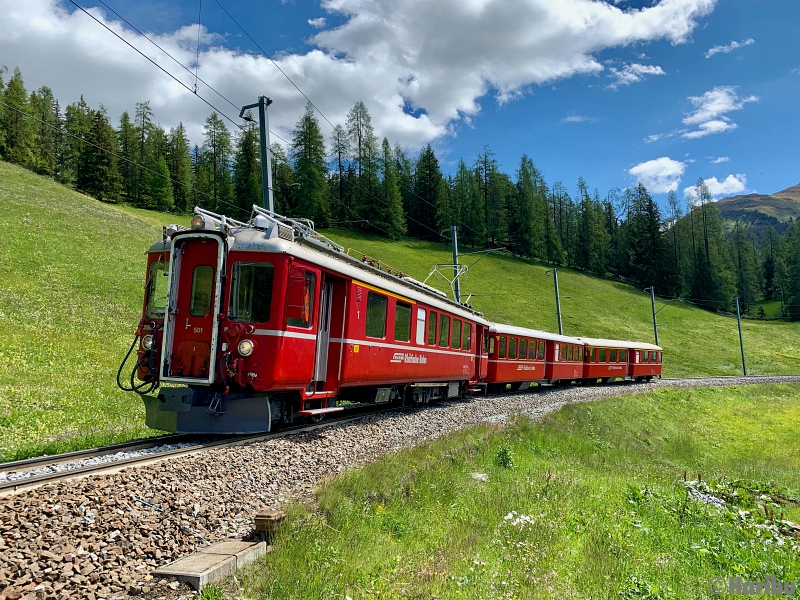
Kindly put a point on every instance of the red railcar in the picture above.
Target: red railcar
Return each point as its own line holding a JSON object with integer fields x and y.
{"x": 520, "y": 356}
{"x": 608, "y": 360}
{"x": 265, "y": 321}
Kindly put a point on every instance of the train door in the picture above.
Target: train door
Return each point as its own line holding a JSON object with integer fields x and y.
{"x": 323, "y": 334}
{"x": 482, "y": 352}
{"x": 190, "y": 343}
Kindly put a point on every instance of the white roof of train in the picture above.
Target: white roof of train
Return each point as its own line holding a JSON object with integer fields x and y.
{"x": 618, "y": 344}
{"x": 534, "y": 333}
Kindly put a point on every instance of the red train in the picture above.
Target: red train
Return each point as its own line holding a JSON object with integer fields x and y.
{"x": 246, "y": 325}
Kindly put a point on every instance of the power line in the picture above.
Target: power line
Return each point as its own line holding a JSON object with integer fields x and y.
{"x": 106, "y": 27}
{"x": 132, "y": 26}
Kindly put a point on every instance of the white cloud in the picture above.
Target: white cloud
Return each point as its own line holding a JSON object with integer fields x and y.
{"x": 438, "y": 59}
{"x": 710, "y": 109}
{"x": 318, "y": 23}
{"x": 578, "y": 119}
{"x": 631, "y": 73}
{"x": 720, "y": 159}
{"x": 729, "y": 47}
{"x": 660, "y": 175}
{"x": 731, "y": 185}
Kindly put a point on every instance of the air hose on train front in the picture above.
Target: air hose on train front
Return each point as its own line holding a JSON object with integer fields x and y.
{"x": 148, "y": 385}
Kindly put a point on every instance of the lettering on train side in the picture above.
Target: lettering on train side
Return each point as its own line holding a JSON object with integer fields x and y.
{"x": 408, "y": 358}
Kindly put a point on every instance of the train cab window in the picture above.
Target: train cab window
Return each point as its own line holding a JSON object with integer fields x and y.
{"x": 467, "y": 342}
{"x": 512, "y": 348}
{"x": 540, "y": 354}
{"x": 402, "y": 322}
{"x": 491, "y": 346}
{"x": 613, "y": 357}
{"x": 602, "y": 355}
{"x": 623, "y": 356}
{"x": 302, "y": 285}
{"x": 202, "y": 289}
{"x": 455, "y": 339}
{"x": 523, "y": 349}
{"x": 502, "y": 348}
{"x": 251, "y": 292}
{"x": 659, "y": 357}
{"x": 377, "y": 306}
{"x": 432, "y": 329}
{"x": 420, "y": 326}
{"x": 157, "y": 289}
{"x": 444, "y": 330}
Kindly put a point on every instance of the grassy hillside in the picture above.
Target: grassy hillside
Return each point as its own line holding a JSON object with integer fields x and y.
{"x": 593, "y": 502}
{"x": 71, "y": 278}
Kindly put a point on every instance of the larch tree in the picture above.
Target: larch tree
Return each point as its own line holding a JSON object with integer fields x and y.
{"x": 18, "y": 128}
{"x": 390, "y": 216}
{"x": 308, "y": 156}
{"x": 247, "y": 169}
{"x": 179, "y": 163}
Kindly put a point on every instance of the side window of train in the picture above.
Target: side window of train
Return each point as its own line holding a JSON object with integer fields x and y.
{"x": 540, "y": 354}
{"x": 302, "y": 287}
{"x": 602, "y": 355}
{"x": 377, "y": 305}
{"x": 570, "y": 349}
{"x": 645, "y": 356}
{"x": 563, "y": 352}
{"x": 613, "y": 357}
{"x": 502, "y": 347}
{"x": 251, "y": 292}
{"x": 402, "y": 322}
{"x": 444, "y": 330}
{"x": 512, "y": 348}
{"x": 420, "y": 326}
{"x": 623, "y": 356}
{"x": 157, "y": 290}
{"x": 455, "y": 339}
{"x": 523, "y": 349}
{"x": 467, "y": 343}
{"x": 491, "y": 346}
{"x": 432, "y": 329}
{"x": 659, "y": 356}
{"x": 592, "y": 355}
{"x": 532, "y": 350}
{"x": 202, "y": 289}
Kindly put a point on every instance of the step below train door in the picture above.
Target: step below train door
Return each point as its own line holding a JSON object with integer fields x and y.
{"x": 190, "y": 344}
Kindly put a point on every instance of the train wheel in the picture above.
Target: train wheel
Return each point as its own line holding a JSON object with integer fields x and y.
{"x": 648, "y": 379}
{"x": 639, "y": 379}
{"x": 316, "y": 419}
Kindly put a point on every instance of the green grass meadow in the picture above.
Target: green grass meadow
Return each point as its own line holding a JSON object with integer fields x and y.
{"x": 592, "y": 502}
{"x": 71, "y": 287}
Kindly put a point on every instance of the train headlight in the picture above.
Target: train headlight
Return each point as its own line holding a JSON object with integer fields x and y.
{"x": 148, "y": 342}
{"x": 246, "y": 347}
{"x": 198, "y": 222}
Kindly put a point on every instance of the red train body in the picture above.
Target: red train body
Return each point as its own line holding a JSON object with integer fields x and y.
{"x": 253, "y": 324}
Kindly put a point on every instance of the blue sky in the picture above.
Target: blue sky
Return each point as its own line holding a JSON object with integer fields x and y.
{"x": 662, "y": 92}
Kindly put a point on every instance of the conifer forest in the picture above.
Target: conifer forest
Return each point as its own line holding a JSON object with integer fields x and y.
{"x": 355, "y": 180}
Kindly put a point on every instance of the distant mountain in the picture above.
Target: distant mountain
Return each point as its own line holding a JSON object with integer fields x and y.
{"x": 759, "y": 211}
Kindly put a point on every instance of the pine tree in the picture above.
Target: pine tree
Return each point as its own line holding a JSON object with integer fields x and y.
{"x": 42, "y": 106}
{"x": 77, "y": 124}
{"x": 522, "y": 227}
{"x": 646, "y": 244}
{"x": 495, "y": 191}
{"x": 144, "y": 128}
{"x": 128, "y": 143}
{"x": 339, "y": 153}
{"x": 3, "y": 70}
{"x": 364, "y": 148}
{"x": 308, "y": 155}
{"x": 98, "y": 175}
{"x": 391, "y": 217}
{"x": 217, "y": 152}
{"x": 247, "y": 169}
{"x": 743, "y": 254}
{"x": 428, "y": 193}
{"x": 468, "y": 201}
{"x": 18, "y": 129}
{"x": 179, "y": 163}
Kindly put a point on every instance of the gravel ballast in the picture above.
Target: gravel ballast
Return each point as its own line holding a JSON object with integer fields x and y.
{"x": 101, "y": 536}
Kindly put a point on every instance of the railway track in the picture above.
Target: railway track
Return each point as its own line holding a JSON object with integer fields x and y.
{"x": 48, "y": 469}
{"x": 30, "y": 473}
